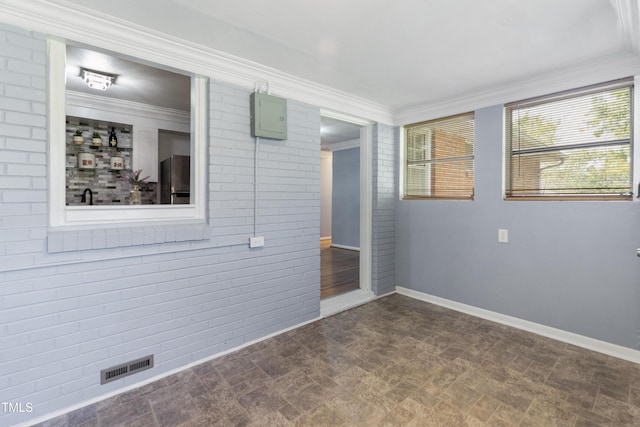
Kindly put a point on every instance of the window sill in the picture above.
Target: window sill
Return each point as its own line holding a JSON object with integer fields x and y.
{"x": 90, "y": 216}
{"x": 569, "y": 198}
{"x": 70, "y": 239}
{"x": 437, "y": 198}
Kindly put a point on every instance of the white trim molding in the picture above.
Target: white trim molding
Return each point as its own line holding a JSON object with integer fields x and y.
{"x": 344, "y": 145}
{"x": 366, "y": 207}
{"x": 73, "y": 22}
{"x": 525, "y": 325}
{"x": 629, "y": 22}
{"x": 350, "y": 248}
{"x": 635, "y": 149}
{"x": 612, "y": 67}
{"x": 342, "y": 302}
{"x": 92, "y": 103}
{"x": 366, "y": 191}
{"x": 60, "y": 215}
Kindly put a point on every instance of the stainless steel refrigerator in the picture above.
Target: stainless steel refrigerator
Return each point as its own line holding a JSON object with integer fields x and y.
{"x": 175, "y": 176}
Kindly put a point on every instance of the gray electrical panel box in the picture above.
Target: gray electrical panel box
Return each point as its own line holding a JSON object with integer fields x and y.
{"x": 268, "y": 116}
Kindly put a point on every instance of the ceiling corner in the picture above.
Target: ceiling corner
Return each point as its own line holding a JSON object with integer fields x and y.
{"x": 629, "y": 22}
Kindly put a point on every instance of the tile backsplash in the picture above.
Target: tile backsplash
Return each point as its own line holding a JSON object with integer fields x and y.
{"x": 109, "y": 186}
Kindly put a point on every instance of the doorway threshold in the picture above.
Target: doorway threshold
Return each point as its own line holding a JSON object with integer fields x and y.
{"x": 342, "y": 302}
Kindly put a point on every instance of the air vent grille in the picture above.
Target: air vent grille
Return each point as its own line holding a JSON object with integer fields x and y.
{"x": 125, "y": 369}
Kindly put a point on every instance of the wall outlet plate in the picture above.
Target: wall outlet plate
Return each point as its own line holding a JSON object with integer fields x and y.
{"x": 256, "y": 242}
{"x": 503, "y": 235}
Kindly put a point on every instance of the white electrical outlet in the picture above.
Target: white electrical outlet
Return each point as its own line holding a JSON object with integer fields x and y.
{"x": 503, "y": 235}
{"x": 256, "y": 242}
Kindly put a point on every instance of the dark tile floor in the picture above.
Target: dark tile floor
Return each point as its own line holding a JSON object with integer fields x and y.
{"x": 392, "y": 362}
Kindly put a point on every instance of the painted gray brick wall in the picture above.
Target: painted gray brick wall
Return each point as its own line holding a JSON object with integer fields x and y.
{"x": 385, "y": 195}
{"x": 23, "y": 166}
{"x": 67, "y": 315}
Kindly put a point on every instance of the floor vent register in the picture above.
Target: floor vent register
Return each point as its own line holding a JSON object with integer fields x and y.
{"x": 125, "y": 369}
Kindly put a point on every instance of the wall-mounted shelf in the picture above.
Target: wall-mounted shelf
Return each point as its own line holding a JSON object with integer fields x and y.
{"x": 104, "y": 148}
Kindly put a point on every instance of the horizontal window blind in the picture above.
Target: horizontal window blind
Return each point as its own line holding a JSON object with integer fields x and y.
{"x": 439, "y": 158}
{"x": 575, "y": 144}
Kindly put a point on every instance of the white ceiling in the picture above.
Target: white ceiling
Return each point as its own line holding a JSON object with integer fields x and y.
{"x": 396, "y": 53}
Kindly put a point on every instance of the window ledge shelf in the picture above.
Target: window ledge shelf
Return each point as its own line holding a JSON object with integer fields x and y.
{"x": 71, "y": 240}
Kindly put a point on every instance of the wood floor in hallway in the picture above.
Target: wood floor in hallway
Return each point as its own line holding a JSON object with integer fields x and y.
{"x": 339, "y": 270}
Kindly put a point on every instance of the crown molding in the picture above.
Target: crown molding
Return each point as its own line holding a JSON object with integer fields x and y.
{"x": 130, "y": 108}
{"x": 612, "y": 67}
{"x": 71, "y": 22}
{"x": 344, "y": 145}
{"x": 629, "y": 21}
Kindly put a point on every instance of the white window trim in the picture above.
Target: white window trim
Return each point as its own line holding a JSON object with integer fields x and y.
{"x": 61, "y": 215}
{"x": 636, "y": 140}
{"x": 402, "y": 166}
{"x": 428, "y": 150}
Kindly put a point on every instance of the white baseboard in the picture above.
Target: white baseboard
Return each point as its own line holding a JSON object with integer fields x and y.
{"x": 558, "y": 334}
{"x": 325, "y": 238}
{"x": 351, "y": 248}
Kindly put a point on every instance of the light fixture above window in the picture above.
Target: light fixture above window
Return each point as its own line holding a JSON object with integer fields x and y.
{"x": 96, "y": 79}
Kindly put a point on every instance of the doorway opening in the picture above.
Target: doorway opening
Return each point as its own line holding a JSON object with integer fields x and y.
{"x": 341, "y": 213}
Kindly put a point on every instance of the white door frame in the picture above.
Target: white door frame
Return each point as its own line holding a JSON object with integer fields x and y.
{"x": 366, "y": 191}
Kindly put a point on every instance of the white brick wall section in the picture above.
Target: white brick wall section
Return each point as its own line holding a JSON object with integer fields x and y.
{"x": 67, "y": 315}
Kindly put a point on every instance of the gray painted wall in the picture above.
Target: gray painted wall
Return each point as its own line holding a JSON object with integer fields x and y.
{"x": 326, "y": 189}
{"x": 345, "y": 204}
{"x": 568, "y": 265}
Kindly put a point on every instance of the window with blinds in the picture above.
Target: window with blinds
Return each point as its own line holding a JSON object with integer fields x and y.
{"x": 438, "y": 159}
{"x": 574, "y": 145}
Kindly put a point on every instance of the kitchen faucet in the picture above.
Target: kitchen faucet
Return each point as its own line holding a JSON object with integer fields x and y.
{"x": 84, "y": 196}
